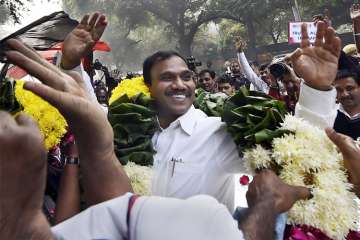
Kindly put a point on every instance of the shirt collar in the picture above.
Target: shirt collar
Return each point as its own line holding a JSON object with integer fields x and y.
{"x": 356, "y": 116}
{"x": 187, "y": 121}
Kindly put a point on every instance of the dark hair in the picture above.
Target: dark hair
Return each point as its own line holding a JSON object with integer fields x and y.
{"x": 212, "y": 73}
{"x": 155, "y": 58}
{"x": 263, "y": 66}
{"x": 346, "y": 62}
{"x": 225, "y": 79}
{"x": 345, "y": 73}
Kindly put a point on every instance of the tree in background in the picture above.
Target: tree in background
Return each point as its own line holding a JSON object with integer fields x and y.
{"x": 11, "y": 9}
{"x": 138, "y": 27}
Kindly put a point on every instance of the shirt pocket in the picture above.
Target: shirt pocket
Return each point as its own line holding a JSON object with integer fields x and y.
{"x": 186, "y": 179}
{"x": 187, "y": 167}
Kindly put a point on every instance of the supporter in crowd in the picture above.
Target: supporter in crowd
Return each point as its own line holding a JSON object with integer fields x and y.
{"x": 207, "y": 80}
{"x": 102, "y": 97}
{"x": 268, "y": 82}
{"x": 347, "y": 85}
{"x": 225, "y": 85}
{"x": 237, "y": 75}
{"x": 257, "y": 83}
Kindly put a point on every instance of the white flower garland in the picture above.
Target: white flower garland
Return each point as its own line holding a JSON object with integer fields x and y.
{"x": 308, "y": 158}
{"x": 140, "y": 178}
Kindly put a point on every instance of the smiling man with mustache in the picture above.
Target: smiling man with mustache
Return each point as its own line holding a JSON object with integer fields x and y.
{"x": 347, "y": 86}
{"x": 195, "y": 154}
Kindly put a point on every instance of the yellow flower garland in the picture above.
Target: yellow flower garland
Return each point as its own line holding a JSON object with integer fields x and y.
{"x": 51, "y": 123}
{"x": 130, "y": 87}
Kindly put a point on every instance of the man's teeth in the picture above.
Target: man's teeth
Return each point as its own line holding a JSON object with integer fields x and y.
{"x": 179, "y": 97}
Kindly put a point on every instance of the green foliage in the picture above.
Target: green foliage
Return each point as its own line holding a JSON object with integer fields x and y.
{"x": 228, "y": 31}
{"x": 253, "y": 118}
{"x": 134, "y": 123}
{"x": 210, "y": 103}
{"x": 8, "y": 100}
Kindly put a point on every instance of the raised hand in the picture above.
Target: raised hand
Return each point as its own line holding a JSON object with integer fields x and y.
{"x": 317, "y": 64}
{"x": 266, "y": 186}
{"x": 240, "y": 45}
{"x": 80, "y": 42}
{"x": 85, "y": 117}
{"x": 355, "y": 12}
{"x": 22, "y": 178}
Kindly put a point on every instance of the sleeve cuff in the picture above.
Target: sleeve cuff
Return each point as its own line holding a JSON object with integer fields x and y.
{"x": 321, "y": 102}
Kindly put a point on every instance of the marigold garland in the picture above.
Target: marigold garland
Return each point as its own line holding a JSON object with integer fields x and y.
{"x": 130, "y": 87}
{"x": 51, "y": 123}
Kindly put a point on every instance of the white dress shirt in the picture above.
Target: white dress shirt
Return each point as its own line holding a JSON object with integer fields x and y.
{"x": 199, "y": 217}
{"x": 195, "y": 155}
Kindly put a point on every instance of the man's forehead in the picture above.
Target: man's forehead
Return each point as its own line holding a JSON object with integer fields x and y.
{"x": 173, "y": 64}
{"x": 205, "y": 75}
{"x": 346, "y": 81}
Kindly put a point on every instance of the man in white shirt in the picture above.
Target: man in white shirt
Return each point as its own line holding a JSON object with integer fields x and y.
{"x": 258, "y": 84}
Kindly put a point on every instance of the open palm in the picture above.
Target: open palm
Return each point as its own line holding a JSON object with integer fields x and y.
{"x": 317, "y": 64}
{"x": 80, "y": 42}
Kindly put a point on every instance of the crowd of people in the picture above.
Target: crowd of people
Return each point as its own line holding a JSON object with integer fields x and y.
{"x": 196, "y": 158}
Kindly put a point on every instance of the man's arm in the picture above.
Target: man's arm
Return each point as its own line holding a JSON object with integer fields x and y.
{"x": 259, "y": 221}
{"x": 351, "y": 154}
{"x": 317, "y": 65}
{"x": 259, "y": 84}
{"x": 355, "y": 16}
{"x": 68, "y": 201}
{"x": 87, "y": 121}
{"x": 267, "y": 197}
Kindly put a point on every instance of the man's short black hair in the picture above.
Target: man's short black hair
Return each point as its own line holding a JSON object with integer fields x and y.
{"x": 263, "y": 66}
{"x": 225, "y": 79}
{"x": 211, "y": 72}
{"x": 345, "y": 73}
{"x": 155, "y": 58}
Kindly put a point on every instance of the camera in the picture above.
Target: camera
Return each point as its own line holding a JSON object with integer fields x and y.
{"x": 192, "y": 63}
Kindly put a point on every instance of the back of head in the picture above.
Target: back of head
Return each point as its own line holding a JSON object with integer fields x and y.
{"x": 225, "y": 78}
{"x": 155, "y": 58}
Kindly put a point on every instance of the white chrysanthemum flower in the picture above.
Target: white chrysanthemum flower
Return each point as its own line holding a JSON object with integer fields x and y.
{"x": 140, "y": 178}
{"x": 306, "y": 148}
{"x": 256, "y": 158}
{"x": 293, "y": 175}
{"x": 308, "y": 158}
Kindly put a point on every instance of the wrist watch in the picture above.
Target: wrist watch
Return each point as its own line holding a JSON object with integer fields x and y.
{"x": 72, "y": 160}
